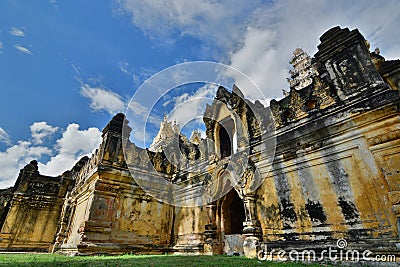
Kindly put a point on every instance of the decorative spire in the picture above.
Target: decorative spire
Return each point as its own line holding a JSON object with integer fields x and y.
{"x": 164, "y": 135}
{"x": 195, "y": 138}
{"x": 303, "y": 71}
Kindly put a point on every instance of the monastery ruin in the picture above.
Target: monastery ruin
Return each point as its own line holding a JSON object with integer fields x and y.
{"x": 328, "y": 156}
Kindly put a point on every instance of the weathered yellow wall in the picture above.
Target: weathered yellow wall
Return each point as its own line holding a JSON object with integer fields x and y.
{"x": 189, "y": 226}
{"x": 32, "y": 220}
{"x": 80, "y": 213}
{"x": 112, "y": 211}
{"x": 29, "y": 226}
{"x": 347, "y": 183}
{"x": 140, "y": 219}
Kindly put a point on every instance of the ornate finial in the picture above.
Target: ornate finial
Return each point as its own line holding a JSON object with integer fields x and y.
{"x": 175, "y": 127}
{"x": 164, "y": 135}
{"x": 303, "y": 72}
{"x": 377, "y": 51}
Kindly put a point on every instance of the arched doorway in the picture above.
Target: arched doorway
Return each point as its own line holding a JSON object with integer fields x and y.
{"x": 232, "y": 218}
{"x": 237, "y": 215}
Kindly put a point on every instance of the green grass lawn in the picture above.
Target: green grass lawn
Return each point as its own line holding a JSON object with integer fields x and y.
{"x": 133, "y": 260}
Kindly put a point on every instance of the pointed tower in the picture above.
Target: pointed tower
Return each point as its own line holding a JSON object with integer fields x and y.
{"x": 114, "y": 134}
{"x": 164, "y": 135}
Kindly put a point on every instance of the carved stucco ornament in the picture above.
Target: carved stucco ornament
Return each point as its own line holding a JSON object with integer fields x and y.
{"x": 296, "y": 105}
{"x": 276, "y": 110}
{"x": 322, "y": 93}
{"x": 303, "y": 70}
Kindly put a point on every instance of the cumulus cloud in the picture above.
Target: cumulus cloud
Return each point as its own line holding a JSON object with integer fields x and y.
{"x": 4, "y": 137}
{"x": 103, "y": 99}
{"x": 258, "y": 38}
{"x": 22, "y": 49}
{"x": 73, "y": 145}
{"x": 17, "y": 32}
{"x": 254, "y": 60}
{"x": 41, "y": 130}
{"x": 75, "y": 141}
{"x": 15, "y": 157}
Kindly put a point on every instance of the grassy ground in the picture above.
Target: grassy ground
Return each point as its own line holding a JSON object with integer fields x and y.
{"x": 133, "y": 260}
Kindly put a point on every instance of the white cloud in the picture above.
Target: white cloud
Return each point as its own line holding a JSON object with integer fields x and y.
{"x": 138, "y": 108}
{"x": 15, "y": 158}
{"x": 73, "y": 145}
{"x": 258, "y": 38}
{"x": 23, "y": 49}
{"x": 75, "y": 141}
{"x": 103, "y": 99}
{"x": 1, "y": 45}
{"x": 41, "y": 130}
{"x": 17, "y": 32}
{"x": 255, "y": 59}
{"x": 4, "y": 137}
{"x": 216, "y": 21}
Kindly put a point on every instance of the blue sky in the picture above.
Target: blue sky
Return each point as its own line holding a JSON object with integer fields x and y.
{"x": 66, "y": 67}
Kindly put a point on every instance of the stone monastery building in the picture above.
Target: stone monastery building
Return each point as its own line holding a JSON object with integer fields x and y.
{"x": 319, "y": 165}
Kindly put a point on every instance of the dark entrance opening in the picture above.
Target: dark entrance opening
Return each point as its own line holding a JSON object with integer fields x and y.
{"x": 225, "y": 144}
{"x": 234, "y": 213}
{"x": 237, "y": 215}
{"x": 226, "y": 137}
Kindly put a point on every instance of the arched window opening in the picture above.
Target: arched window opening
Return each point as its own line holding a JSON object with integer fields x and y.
{"x": 225, "y": 134}
{"x": 224, "y": 143}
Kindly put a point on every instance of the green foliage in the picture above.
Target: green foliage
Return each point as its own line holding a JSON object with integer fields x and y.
{"x": 133, "y": 260}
